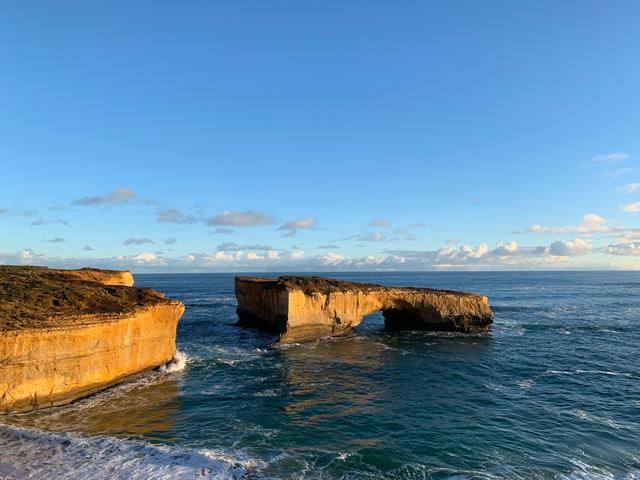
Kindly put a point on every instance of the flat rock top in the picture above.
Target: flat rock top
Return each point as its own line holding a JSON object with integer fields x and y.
{"x": 311, "y": 284}
{"x": 39, "y": 297}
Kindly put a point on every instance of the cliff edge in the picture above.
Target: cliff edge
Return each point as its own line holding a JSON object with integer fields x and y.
{"x": 65, "y": 334}
{"x": 299, "y": 308}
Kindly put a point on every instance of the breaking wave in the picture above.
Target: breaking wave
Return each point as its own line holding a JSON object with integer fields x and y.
{"x": 31, "y": 454}
{"x": 177, "y": 363}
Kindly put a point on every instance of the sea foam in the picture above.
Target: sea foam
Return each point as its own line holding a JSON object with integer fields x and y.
{"x": 28, "y": 454}
{"x": 177, "y": 363}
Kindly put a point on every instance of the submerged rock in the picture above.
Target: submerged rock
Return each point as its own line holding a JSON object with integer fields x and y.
{"x": 306, "y": 308}
{"x": 67, "y": 333}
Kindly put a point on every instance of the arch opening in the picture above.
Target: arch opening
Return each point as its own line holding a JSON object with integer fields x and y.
{"x": 403, "y": 316}
{"x": 370, "y": 323}
{"x": 400, "y": 317}
{"x": 396, "y": 319}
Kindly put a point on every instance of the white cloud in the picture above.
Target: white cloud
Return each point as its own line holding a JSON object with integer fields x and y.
{"x": 241, "y": 219}
{"x": 467, "y": 259}
{"x": 479, "y": 252}
{"x": 365, "y": 237}
{"x": 224, "y": 256}
{"x": 630, "y": 187}
{"x": 590, "y": 223}
{"x": 296, "y": 255}
{"x": 506, "y": 255}
{"x": 146, "y": 261}
{"x": 331, "y": 259}
{"x": 228, "y": 256}
{"x": 464, "y": 252}
{"x": 169, "y": 241}
{"x": 173, "y": 215}
{"x": 273, "y": 255}
{"x": 630, "y": 207}
{"x": 299, "y": 223}
{"x": 611, "y": 157}
{"x": 630, "y": 248}
{"x": 570, "y": 248}
{"x": 334, "y": 261}
{"x": 119, "y": 195}
{"x": 233, "y": 246}
{"x": 26, "y": 256}
{"x": 629, "y": 235}
{"x": 506, "y": 248}
{"x": 145, "y": 258}
{"x": 369, "y": 260}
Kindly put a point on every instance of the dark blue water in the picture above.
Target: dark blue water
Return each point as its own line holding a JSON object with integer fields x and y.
{"x": 552, "y": 392}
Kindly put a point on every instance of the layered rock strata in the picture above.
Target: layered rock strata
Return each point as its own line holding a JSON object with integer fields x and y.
{"x": 306, "y": 308}
{"x": 67, "y": 333}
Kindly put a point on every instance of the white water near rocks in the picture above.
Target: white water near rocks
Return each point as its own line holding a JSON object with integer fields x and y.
{"x": 177, "y": 363}
{"x": 32, "y": 454}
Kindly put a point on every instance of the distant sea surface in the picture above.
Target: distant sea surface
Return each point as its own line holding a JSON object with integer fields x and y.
{"x": 553, "y": 391}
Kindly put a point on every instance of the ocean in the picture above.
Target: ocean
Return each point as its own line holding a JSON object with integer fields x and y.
{"x": 553, "y": 391}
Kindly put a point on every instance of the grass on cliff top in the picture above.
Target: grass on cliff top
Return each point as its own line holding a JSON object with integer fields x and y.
{"x": 310, "y": 284}
{"x": 38, "y": 297}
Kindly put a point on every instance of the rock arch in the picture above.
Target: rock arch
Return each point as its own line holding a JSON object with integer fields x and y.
{"x": 306, "y": 308}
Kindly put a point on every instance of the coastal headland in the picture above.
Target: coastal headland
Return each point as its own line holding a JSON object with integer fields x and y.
{"x": 65, "y": 334}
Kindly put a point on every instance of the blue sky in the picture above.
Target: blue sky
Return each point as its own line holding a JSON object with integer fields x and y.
{"x": 226, "y": 136}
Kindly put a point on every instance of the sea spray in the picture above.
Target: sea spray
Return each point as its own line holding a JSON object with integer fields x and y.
{"x": 177, "y": 363}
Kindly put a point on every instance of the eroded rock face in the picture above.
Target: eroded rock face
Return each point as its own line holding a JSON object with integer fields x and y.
{"x": 306, "y": 308}
{"x": 64, "y": 334}
{"x": 106, "y": 277}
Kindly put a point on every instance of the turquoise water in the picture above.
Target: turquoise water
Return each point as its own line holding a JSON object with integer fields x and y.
{"x": 552, "y": 391}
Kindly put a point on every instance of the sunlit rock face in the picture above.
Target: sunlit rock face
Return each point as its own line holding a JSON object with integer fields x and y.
{"x": 106, "y": 277}
{"x": 67, "y": 333}
{"x": 306, "y": 308}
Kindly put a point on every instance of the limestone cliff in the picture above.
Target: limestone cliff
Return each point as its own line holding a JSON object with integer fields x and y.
{"x": 106, "y": 277}
{"x": 306, "y": 308}
{"x": 67, "y": 333}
